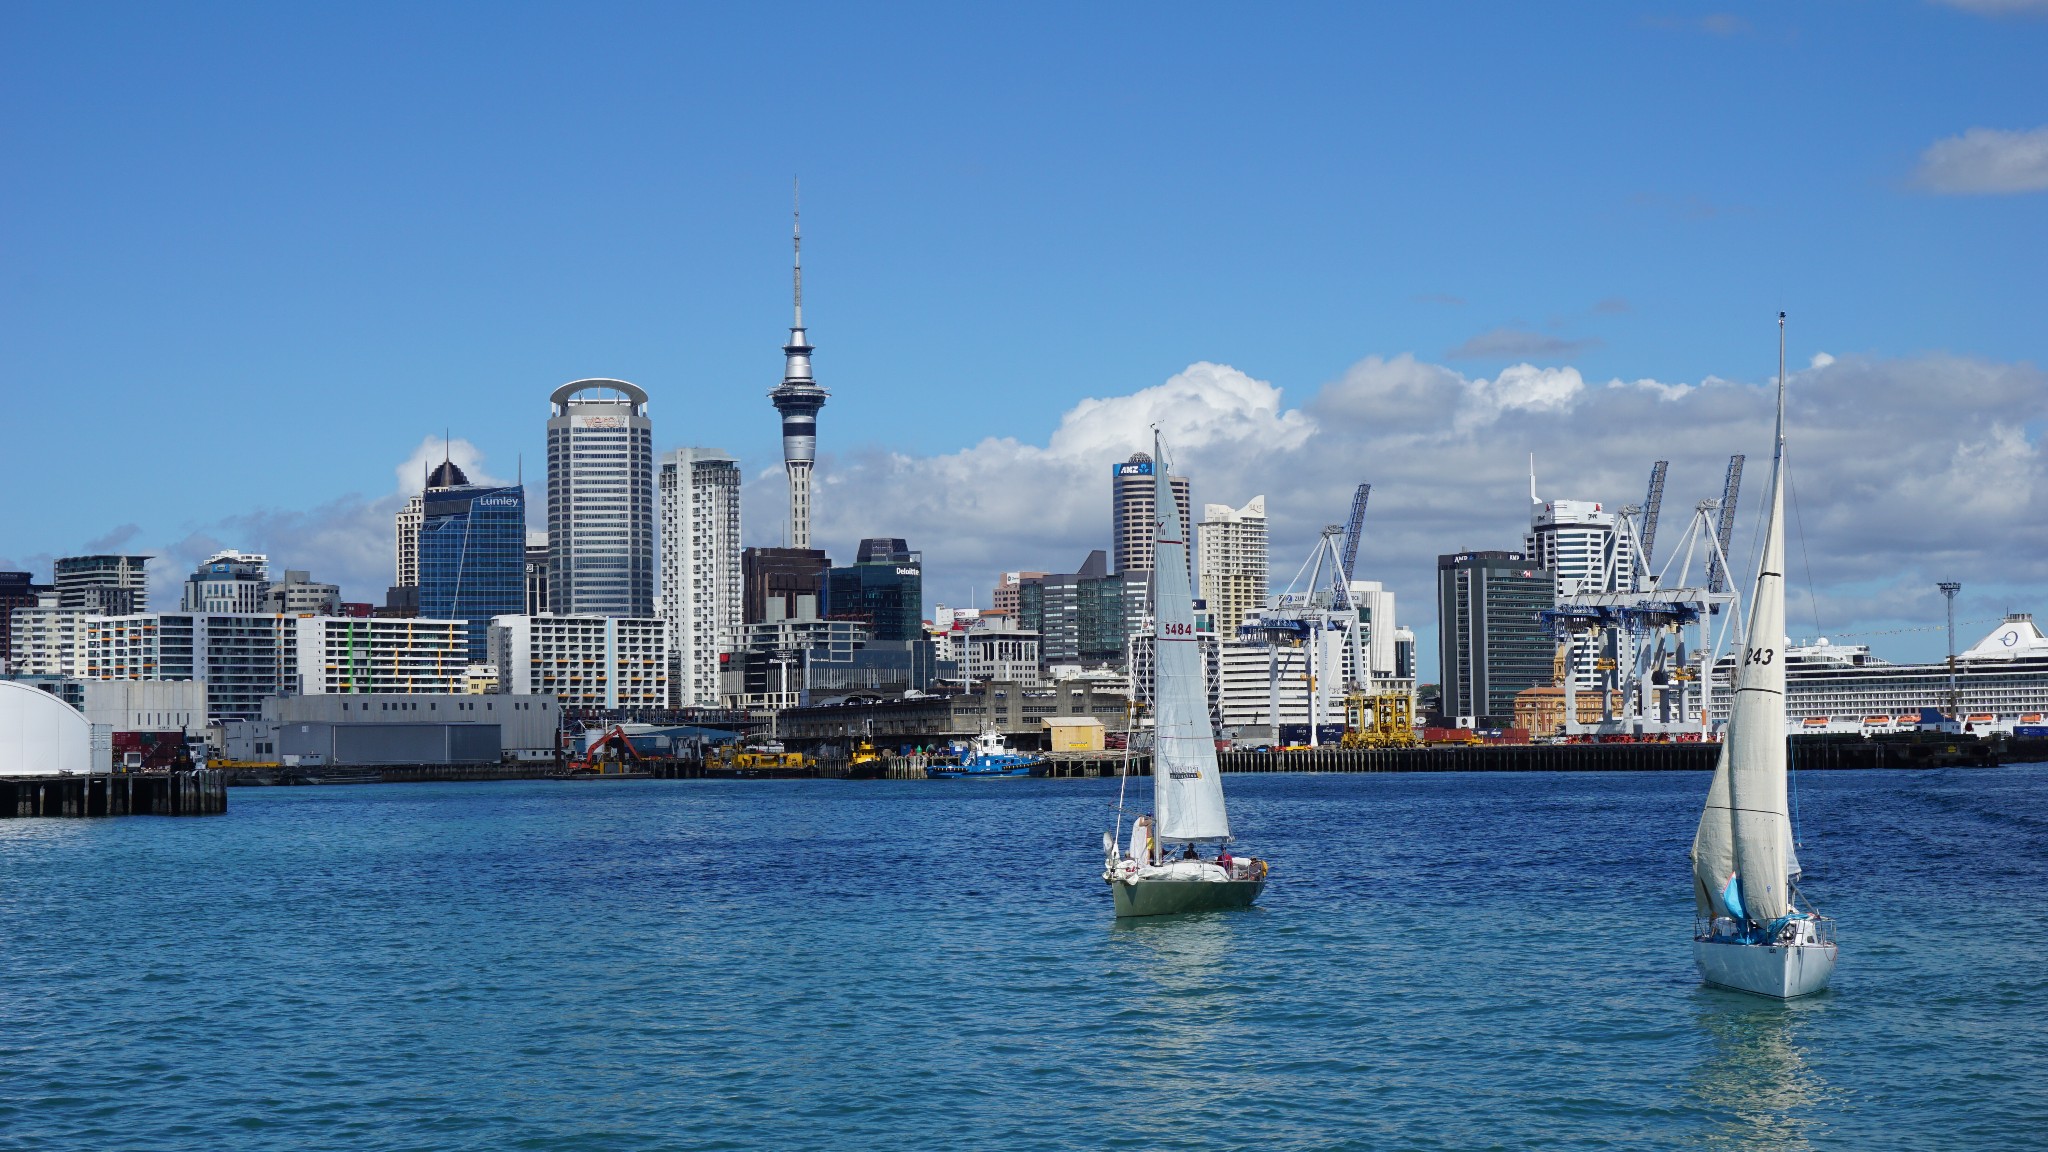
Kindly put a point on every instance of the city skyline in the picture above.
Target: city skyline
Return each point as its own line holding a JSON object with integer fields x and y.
{"x": 1423, "y": 316}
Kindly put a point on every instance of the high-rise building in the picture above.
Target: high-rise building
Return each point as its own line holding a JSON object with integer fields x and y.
{"x": 1007, "y": 585}
{"x": 601, "y": 518}
{"x": 43, "y": 638}
{"x": 473, "y": 558}
{"x": 1234, "y": 573}
{"x": 446, "y": 474}
{"x": 1131, "y": 507}
{"x": 298, "y": 594}
{"x": 701, "y": 600}
{"x": 780, "y": 575}
{"x": 1490, "y": 641}
{"x": 230, "y": 581}
{"x": 536, "y": 573}
{"x": 109, "y": 585}
{"x": 798, "y": 399}
{"x": 1084, "y": 617}
{"x": 583, "y": 661}
{"x": 17, "y": 590}
{"x": 883, "y": 589}
{"x": 1579, "y": 544}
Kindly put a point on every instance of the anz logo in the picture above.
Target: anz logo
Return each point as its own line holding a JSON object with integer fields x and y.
{"x": 1140, "y": 469}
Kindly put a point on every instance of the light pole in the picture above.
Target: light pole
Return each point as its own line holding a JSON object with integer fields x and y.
{"x": 1949, "y": 588}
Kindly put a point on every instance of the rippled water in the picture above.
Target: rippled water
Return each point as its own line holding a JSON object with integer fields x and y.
{"x": 1440, "y": 962}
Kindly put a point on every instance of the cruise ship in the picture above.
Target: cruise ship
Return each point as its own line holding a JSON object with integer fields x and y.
{"x": 2001, "y": 684}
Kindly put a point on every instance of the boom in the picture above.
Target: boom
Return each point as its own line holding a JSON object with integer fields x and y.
{"x": 1352, "y": 531}
{"x": 1725, "y": 531}
{"x": 1652, "y": 504}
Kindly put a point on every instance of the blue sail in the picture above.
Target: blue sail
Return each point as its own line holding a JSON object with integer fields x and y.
{"x": 1731, "y": 897}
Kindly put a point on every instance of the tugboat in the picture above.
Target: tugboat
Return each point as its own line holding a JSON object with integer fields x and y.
{"x": 989, "y": 759}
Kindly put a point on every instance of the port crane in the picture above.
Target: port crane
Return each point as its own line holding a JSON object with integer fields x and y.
{"x": 1299, "y": 619}
{"x": 1664, "y": 683}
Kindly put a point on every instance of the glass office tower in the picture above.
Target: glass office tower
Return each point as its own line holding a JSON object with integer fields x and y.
{"x": 473, "y": 559}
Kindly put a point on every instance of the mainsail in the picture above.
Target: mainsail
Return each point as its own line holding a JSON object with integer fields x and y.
{"x": 1746, "y": 829}
{"x": 1187, "y": 790}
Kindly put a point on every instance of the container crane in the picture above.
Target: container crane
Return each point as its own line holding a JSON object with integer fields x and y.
{"x": 1717, "y": 575}
{"x": 1652, "y": 505}
{"x": 1354, "y": 529}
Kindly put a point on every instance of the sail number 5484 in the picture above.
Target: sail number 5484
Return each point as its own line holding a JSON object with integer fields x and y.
{"x": 1759, "y": 655}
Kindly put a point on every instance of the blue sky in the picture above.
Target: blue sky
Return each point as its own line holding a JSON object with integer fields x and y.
{"x": 255, "y": 255}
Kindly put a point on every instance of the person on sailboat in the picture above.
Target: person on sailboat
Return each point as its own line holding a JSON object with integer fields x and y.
{"x": 1190, "y": 853}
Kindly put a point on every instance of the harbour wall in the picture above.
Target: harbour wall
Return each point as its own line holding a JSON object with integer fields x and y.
{"x": 194, "y": 792}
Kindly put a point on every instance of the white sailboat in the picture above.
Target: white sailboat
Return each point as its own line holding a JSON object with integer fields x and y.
{"x": 1147, "y": 879}
{"x": 1751, "y": 934}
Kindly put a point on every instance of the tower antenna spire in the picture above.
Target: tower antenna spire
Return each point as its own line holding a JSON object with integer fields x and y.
{"x": 796, "y": 245}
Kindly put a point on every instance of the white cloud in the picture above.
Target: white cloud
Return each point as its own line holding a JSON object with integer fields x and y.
{"x": 1891, "y": 486}
{"x": 1820, "y": 360}
{"x": 1986, "y": 161}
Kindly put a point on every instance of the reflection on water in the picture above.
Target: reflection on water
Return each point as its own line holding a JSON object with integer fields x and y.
{"x": 1186, "y": 962}
{"x": 1755, "y": 1081}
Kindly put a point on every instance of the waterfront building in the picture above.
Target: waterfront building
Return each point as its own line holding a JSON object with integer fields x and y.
{"x": 770, "y": 576}
{"x": 239, "y": 657}
{"x": 340, "y": 654}
{"x": 111, "y": 585}
{"x": 1490, "y": 642}
{"x": 797, "y": 400}
{"x": 298, "y": 594}
{"x": 585, "y": 661}
{"x": 522, "y": 727}
{"x": 601, "y": 519}
{"x": 701, "y": 598}
{"x": 1015, "y": 709}
{"x": 473, "y": 558}
{"x": 777, "y": 659}
{"x": 17, "y": 590}
{"x": 229, "y": 581}
{"x": 1233, "y": 561}
{"x": 1132, "y": 502}
{"x": 883, "y": 589}
{"x": 536, "y": 573}
{"x": 1005, "y": 654}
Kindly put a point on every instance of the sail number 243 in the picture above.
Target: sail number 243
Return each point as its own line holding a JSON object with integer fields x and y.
{"x": 1759, "y": 655}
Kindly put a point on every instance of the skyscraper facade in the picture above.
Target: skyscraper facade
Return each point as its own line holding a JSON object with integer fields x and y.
{"x": 1491, "y": 643}
{"x": 1233, "y": 562}
{"x": 798, "y": 399}
{"x": 108, "y": 585}
{"x": 473, "y": 559}
{"x": 1131, "y": 505}
{"x": 700, "y": 568}
{"x": 883, "y": 589}
{"x": 446, "y": 474}
{"x": 1579, "y": 543}
{"x": 601, "y": 517}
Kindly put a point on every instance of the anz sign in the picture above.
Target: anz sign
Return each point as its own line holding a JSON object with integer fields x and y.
{"x": 1134, "y": 468}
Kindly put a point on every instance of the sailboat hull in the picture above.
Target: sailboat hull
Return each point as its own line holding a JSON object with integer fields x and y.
{"x": 1780, "y": 971}
{"x": 1150, "y": 897}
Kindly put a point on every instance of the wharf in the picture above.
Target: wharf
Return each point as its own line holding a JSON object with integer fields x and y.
{"x": 194, "y": 792}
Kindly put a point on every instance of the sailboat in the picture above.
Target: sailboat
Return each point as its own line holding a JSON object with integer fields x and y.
{"x": 1146, "y": 878}
{"x": 1751, "y": 933}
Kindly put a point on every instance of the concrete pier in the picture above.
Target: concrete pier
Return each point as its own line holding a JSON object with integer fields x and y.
{"x": 196, "y": 792}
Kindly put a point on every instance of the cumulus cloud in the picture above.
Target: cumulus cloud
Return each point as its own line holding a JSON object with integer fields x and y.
{"x": 1516, "y": 343}
{"x": 1893, "y": 488}
{"x": 1986, "y": 162}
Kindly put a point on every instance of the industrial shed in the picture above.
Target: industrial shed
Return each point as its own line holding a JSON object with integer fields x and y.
{"x": 384, "y": 744}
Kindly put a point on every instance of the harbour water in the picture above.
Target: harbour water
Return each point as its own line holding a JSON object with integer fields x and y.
{"x": 1455, "y": 961}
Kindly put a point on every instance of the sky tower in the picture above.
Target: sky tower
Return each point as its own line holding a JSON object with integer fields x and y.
{"x": 798, "y": 398}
